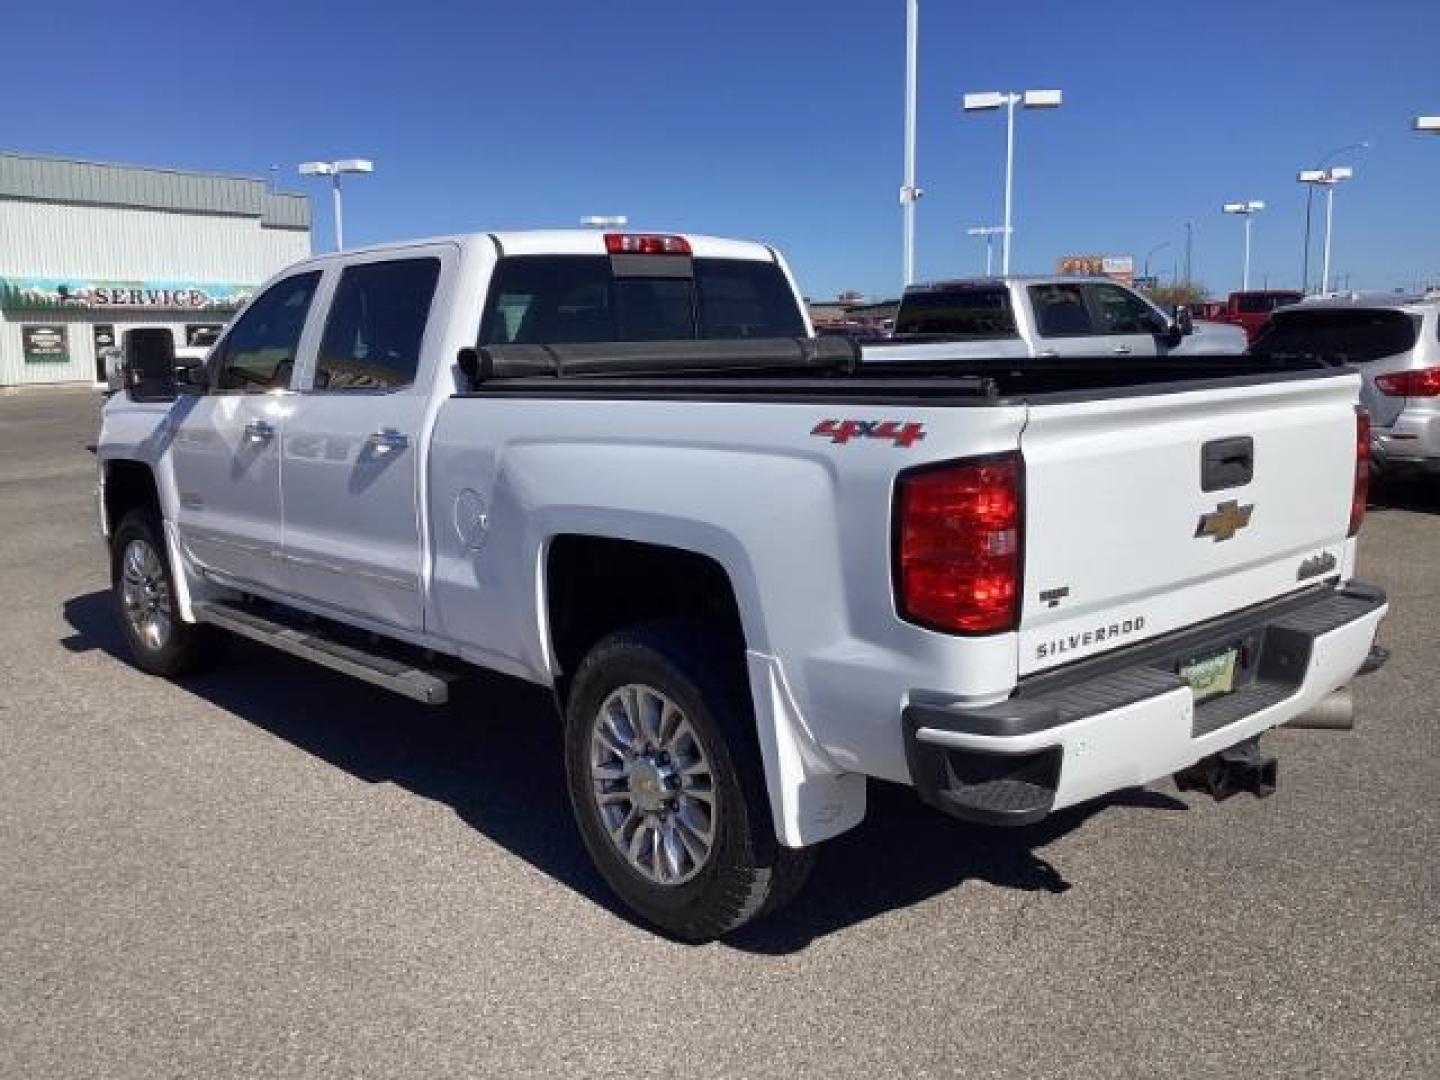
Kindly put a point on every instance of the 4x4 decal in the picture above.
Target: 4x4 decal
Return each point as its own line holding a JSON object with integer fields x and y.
{"x": 902, "y": 433}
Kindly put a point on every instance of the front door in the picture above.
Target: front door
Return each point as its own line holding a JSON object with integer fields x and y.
{"x": 1075, "y": 319}
{"x": 1131, "y": 326}
{"x": 353, "y": 443}
{"x": 226, "y": 443}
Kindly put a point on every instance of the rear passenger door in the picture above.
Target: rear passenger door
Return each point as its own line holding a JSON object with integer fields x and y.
{"x": 351, "y": 471}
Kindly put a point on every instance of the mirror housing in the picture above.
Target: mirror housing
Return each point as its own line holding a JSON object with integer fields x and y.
{"x": 191, "y": 377}
{"x": 1184, "y": 320}
{"x": 149, "y": 364}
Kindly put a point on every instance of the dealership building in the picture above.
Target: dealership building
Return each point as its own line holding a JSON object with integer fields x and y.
{"x": 90, "y": 250}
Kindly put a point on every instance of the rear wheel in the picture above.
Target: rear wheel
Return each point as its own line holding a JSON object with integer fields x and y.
{"x": 666, "y": 784}
{"x": 144, "y": 587}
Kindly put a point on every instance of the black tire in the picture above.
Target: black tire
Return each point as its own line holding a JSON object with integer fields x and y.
{"x": 185, "y": 647}
{"x": 748, "y": 872}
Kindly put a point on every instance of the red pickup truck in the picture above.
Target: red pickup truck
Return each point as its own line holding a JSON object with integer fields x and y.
{"x": 1251, "y": 310}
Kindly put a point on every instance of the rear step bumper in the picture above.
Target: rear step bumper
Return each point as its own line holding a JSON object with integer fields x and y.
{"x": 1121, "y": 721}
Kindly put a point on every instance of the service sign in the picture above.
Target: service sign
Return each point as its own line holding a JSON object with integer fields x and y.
{"x": 83, "y": 294}
{"x": 44, "y": 344}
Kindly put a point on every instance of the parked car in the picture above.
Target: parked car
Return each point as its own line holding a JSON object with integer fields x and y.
{"x": 1251, "y": 310}
{"x": 754, "y": 572}
{"x": 1395, "y": 345}
{"x": 1042, "y": 317}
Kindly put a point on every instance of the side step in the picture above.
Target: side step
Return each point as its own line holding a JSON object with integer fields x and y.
{"x": 379, "y": 669}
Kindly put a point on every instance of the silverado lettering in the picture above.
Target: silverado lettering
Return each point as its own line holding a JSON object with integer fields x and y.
{"x": 1082, "y": 640}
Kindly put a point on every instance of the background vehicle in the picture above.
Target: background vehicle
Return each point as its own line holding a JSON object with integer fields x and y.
{"x": 1251, "y": 310}
{"x": 1042, "y": 317}
{"x": 753, "y": 572}
{"x": 1395, "y": 344}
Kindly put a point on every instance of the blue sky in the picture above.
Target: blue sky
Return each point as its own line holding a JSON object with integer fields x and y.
{"x": 778, "y": 120}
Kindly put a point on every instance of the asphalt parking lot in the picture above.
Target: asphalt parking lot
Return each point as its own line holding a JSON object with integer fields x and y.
{"x": 271, "y": 870}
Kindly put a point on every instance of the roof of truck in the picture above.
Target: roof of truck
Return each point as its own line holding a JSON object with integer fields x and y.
{"x": 1013, "y": 279}
{"x": 579, "y": 242}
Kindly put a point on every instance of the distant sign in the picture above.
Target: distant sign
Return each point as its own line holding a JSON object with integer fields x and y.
{"x": 1119, "y": 267}
{"x": 48, "y": 294}
{"x": 44, "y": 344}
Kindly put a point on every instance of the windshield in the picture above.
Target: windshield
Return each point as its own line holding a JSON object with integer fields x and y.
{"x": 568, "y": 299}
{"x": 967, "y": 312}
{"x": 1346, "y": 336}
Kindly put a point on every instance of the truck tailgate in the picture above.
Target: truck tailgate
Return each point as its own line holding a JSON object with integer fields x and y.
{"x": 1122, "y": 540}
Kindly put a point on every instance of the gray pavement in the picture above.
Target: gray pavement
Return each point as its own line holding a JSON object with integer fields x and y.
{"x": 274, "y": 871}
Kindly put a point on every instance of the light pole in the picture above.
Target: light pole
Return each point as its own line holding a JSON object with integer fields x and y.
{"x": 995, "y": 99}
{"x": 1189, "y": 243}
{"x": 334, "y": 170}
{"x": 1158, "y": 247}
{"x": 909, "y": 192}
{"x": 989, "y": 232}
{"x": 1247, "y": 210}
{"x": 1328, "y": 178}
{"x": 1363, "y": 144}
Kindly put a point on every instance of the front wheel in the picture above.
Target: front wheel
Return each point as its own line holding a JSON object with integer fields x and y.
{"x": 666, "y": 785}
{"x": 144, "y": 587}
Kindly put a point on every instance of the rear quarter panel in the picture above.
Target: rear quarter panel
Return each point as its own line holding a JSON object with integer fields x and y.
{"x": 800, "y": 523}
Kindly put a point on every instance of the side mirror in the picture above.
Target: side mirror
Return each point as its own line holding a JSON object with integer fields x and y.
{"x": 149, "y": 364}
{"x": 1184, "y": 320}
{"x": 191, "y": 377}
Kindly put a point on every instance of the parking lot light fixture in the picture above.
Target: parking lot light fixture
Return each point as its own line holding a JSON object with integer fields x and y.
{"x": 995, "y": 99}
{"x": 1319, "y": 168}
{"x": 334, "y": 170}
{"x": 1427, "y": 125}
{"x": 910, "y": 191}
{"x": 1326, "y": 178}
{"x": 605, "y": 221}
{"x": 1247, "y": 210}
{"x": 989, "y": 232}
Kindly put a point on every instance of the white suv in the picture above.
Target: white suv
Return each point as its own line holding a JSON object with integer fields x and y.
{"x": 1395, "y": 344}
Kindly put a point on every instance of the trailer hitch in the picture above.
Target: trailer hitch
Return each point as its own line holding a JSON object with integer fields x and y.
{"x": 1242, "y": 767}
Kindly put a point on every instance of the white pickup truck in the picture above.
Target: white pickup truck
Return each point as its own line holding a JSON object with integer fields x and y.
{"x": 754, "y": 572}
{"x": 1043, "y": 318}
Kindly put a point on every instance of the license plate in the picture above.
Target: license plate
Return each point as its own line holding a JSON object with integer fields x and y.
{"x": 1211, "y": 676}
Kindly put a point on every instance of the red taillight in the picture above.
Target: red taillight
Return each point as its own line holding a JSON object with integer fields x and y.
{"x": 645, "y": 244}
{"x": 958, "y": 546}
{"x": 1424, "y": 382}
{"x": 1361, "y": 494}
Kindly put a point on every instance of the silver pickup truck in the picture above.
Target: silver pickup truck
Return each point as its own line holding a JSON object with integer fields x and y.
{"x": 1040, "y": 318}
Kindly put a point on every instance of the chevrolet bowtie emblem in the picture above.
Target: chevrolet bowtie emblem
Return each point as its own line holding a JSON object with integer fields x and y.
{"x": 1225, "y": 521}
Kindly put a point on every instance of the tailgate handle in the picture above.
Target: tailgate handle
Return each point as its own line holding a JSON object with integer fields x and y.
{"x": 1227, "y": 463}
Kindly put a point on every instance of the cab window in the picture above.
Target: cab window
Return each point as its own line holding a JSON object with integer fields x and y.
{"x": 258, "y": 354}
{"x": 376, "y": 325}
{"x": 1119, "y": 311}
{"x": 1060, "y": 310}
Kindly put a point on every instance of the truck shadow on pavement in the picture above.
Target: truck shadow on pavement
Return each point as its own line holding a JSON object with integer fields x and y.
{"x": 1416, "y": 496}
{"x": 494, "y": 756}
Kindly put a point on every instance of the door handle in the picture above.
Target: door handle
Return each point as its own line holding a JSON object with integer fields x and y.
{"x": 1046, "y": 354}
{"x": 387, "y": 440}
{"x": 259, "y": 431}
{"x": 1121, "y": 350}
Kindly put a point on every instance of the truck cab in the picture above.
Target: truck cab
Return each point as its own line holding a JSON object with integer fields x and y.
{"x": 1043, "y": 317}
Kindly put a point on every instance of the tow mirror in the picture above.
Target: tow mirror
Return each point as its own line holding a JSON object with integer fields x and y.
{"x": 1184, "y": 320}
{"x": 149, "y": 364}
